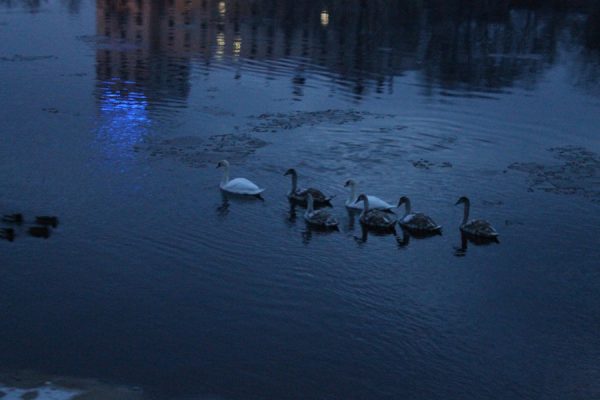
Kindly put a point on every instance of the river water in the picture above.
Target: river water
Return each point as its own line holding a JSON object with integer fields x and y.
{"x": 113, "y": 115}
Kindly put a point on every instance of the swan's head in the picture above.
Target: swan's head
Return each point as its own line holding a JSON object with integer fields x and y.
{"x": 350, "y": 183}
{"x": 291, "y": 172}
{"x": 463, "y": 199}
{"x": 223, "y": 163}
{"x": 362, "y": 197}
{"x": 402, "y": 200}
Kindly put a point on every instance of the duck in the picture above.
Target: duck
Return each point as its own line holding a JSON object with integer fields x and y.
{"x": 318, "y": 218}
{"x": 241, "y": 186}
{"x": 39, "y": 231}
{"x": 416, "y": 222}
{"x": 477, "y": 228}
{"x": 301, "y": 195}
{"x": 13, "y": 218}
{"x": 376, "y": 219}
{"x": 47, "y": 220}
{"x": 7, "y": 234}
{"x": 374, "y": 202}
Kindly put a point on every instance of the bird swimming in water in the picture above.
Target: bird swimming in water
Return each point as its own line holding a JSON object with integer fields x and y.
{"x": 476, "y": 227}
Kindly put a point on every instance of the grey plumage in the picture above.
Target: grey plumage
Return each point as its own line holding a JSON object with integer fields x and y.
{"x": 300, "y": 196}
{"x": 376, "y": 219}
{"x": 416, "y": 222}
{"x": 477, "y": 227}
{"x": 318, "y": 218}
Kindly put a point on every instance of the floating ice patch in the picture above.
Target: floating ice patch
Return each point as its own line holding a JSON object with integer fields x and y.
{"x": 30, "y": 385}
{"x": 579, "y": 173}
{"x": 197, "y": 152}
{"x": 39, "y": 393}
{"x": 297, "y": 119}
{"x": 22, "y": 58}
{"x": 107, "y": 43}
{"x": 422, "y": 163}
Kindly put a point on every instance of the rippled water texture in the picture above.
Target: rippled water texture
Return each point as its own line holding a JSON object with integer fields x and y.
{"x": 113, "y": 115}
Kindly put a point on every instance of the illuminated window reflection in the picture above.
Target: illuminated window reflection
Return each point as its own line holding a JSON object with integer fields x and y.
{"x": 324, "y": 18}
{"x": 237, "y": 46}
{"x": 220, "y": 45}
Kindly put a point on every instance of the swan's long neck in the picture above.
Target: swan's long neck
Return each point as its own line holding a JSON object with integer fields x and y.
{"x": 352, "y": 197}
{"x": 294, "y": 183}
{"x": 310, "y": 204}
{"x": 466, "y": 212}
{"x": 366, "y": 206}
{"x": 225, "y": 177}
{"x": 407, "y": 207}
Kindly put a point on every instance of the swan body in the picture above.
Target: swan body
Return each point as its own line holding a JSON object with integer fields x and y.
{"x": 318, "y": 218}
{"x": 301, "y": 195}
{"x": 374, "y": 202}
{"x": 476, "y": 227}
{"x": 417, "y": 222}
{"x": 237, "y": 185}
{"x": 376, "y": 219}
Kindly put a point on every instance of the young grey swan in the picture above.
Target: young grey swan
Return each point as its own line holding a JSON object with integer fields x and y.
{"x": 376, "y": 219}
{"x": 416, "y": 222}
{"x": 301, "y": 195}
{"x": 318, "y": 218}
{"x": 476, "y": 227}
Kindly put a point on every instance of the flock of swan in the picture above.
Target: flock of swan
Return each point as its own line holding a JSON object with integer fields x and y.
{"x": 376, "y": 214}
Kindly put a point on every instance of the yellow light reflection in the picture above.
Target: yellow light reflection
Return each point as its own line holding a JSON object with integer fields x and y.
{"x": 220, "y": 45}
{"x": 237, "y": 46}
{"x": 222, "y": 8}
{"x": 324, "y": 18}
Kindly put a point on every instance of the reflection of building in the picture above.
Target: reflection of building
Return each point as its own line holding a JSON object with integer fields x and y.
{"x": 360, "y": 46}
{"x": 143, "y": 48}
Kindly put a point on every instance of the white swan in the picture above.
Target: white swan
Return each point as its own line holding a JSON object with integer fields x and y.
{"x": 478, "y": 228}
{"x": 375, "y": 203}
{"x": 237, "y": 185}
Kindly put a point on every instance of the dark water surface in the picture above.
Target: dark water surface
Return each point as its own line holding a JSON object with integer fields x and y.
{"x": 113, "y": 114}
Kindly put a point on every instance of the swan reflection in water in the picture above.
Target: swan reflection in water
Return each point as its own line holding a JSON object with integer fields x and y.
{"x": 402, "y": 235}
{"x": 353, "y": 213}
{"x": 292, "y": 215}
{"x": 307, "y": 234}
{"x": 461, "y": 251}
{"x": 365, "y": 232}
{"x": 228, "y": 198}
{"x": 407, "y": 234}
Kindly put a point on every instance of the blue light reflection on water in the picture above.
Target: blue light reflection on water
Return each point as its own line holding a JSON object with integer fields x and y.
{"x": 124, "y": 118}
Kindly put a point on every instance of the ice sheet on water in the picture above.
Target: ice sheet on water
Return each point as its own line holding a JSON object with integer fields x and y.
{"x": 48, "y": 392}
{"x": 578, "y": 174}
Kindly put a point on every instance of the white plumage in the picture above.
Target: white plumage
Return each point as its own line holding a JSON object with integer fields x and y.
{"x": 237, "y": 185}
{"x": 375, "y": 202}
